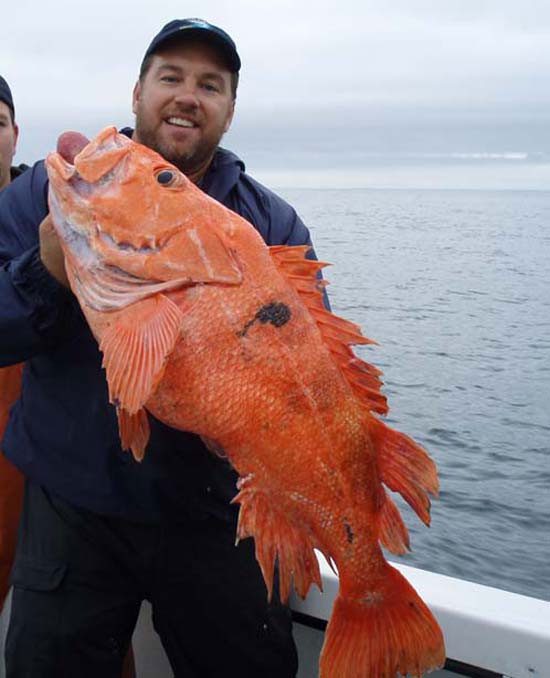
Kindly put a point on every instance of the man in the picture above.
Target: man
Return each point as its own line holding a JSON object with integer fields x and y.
{"x": 100, "y": 532}
{"x": 8, "y": 136}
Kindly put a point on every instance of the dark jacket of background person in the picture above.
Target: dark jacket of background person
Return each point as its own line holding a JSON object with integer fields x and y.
{"x": 17, "y": 171}
{"x": 63, "y": 433}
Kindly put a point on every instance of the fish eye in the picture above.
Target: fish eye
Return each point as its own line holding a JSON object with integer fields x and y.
{"x": 166, "y": 177}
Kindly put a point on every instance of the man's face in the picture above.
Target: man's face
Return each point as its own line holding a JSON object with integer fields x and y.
{"x": 8, "y": 139}
{"x": 184, "y": 105}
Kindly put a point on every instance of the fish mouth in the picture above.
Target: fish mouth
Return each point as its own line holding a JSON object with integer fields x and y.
{"x": 69, "y": 146}
{"x": 65, "y": 177}
{"x": 62, "y": 169}
{"x": 81, "y": 165}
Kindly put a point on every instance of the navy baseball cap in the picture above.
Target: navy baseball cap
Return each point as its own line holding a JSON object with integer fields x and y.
{"x": 5, "y": 95}
{"x": 201, "y": 29}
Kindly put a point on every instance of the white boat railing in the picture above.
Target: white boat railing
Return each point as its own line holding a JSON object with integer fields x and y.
{"x": 489, "y": 633}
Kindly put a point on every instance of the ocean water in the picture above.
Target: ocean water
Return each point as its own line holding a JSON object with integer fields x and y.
{"x": 455, "y": 287}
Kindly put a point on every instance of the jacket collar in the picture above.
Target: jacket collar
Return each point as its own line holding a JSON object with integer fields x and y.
{"x": 17, "y": 171}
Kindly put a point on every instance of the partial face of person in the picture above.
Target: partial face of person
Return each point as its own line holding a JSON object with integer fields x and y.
{"x": 8, "y": 140}
{"x": 184, "y": 105}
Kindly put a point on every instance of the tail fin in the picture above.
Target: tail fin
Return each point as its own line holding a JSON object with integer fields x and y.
{"x": 388, "y": 632}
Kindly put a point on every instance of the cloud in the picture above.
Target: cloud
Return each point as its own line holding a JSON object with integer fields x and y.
{"x": 464, "y": 75}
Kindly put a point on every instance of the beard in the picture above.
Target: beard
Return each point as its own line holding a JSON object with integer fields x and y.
{"x": 189, "y": 161}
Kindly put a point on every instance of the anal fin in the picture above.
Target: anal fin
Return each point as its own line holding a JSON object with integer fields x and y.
{"x": 277, "y": 539}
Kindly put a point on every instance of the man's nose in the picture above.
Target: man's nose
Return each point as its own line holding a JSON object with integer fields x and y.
{"x": 187, "y": 95}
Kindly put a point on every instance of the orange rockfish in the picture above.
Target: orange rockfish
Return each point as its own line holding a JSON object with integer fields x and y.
{"x": 212, "y": 331}
{"x": 11, "y": 480}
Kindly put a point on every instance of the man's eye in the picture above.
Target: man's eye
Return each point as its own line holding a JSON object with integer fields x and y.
{"x": 209, "y": 87}
{"x": 168, "y": 78}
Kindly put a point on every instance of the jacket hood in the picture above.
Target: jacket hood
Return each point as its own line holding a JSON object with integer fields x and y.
{"x": 223, "y": 174}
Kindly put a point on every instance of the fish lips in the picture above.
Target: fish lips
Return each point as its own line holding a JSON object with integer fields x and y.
{"x": 67, "y": 189}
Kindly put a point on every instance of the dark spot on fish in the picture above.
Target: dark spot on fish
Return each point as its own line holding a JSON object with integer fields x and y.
{"x": 349, "y": 533}
{"x": 116, "y": 403}
{"x": 242, "y": 333}
{"x": 276, "y": 313}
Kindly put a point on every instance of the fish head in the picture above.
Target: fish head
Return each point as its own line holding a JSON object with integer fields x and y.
{"x": 122, "y": 205}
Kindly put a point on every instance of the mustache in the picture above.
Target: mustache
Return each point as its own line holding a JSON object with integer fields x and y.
{"x": 188, "y": 111}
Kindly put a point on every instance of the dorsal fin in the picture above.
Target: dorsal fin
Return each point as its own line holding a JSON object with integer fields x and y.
{"x": 392, "y": 530}
{"x": 405, "y": 467}
{"x": 337, "y": 333}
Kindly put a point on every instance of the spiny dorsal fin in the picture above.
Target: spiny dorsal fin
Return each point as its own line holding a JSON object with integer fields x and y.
{"x": 301, "y": 272}
{"x": 337, "y": 333}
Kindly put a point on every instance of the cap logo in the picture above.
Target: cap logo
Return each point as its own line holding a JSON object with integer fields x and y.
{"x": 197, "y": 22}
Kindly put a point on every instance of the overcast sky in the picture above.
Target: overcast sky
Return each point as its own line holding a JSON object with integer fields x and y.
{"x": 326, "y": 87}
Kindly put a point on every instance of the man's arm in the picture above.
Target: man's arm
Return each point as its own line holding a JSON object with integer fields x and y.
{"x": 35, "y": 309}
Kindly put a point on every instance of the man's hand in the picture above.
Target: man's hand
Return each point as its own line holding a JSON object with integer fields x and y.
{"x": 51, "y": 253}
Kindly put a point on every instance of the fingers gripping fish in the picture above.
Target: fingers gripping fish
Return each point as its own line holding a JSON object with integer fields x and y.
{"x": 213, "y": 332}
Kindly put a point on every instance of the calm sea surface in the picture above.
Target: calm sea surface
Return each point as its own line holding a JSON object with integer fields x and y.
{"x": 455, "y": 286}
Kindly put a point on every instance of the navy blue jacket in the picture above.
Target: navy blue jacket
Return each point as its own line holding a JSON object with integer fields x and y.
{"x": 63, "y": 433}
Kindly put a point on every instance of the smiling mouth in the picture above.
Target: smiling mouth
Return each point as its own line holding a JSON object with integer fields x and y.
{"x": 181, "y": 122}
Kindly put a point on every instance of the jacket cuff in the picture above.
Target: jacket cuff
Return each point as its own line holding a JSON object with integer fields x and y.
{"x": 30, "y": 274}
{"x": 49, "y": 300}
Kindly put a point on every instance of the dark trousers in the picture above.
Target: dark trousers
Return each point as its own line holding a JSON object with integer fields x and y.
{"x": 79, "y": 579}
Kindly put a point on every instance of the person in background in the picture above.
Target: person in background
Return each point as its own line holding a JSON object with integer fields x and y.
{"x": 9, "y": 132}
{"x": 100, "y": 532}
{"x": 11, "y": 480}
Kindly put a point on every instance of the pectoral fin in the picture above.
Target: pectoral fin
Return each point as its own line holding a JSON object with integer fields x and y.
{"x": 135, "y": 349}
